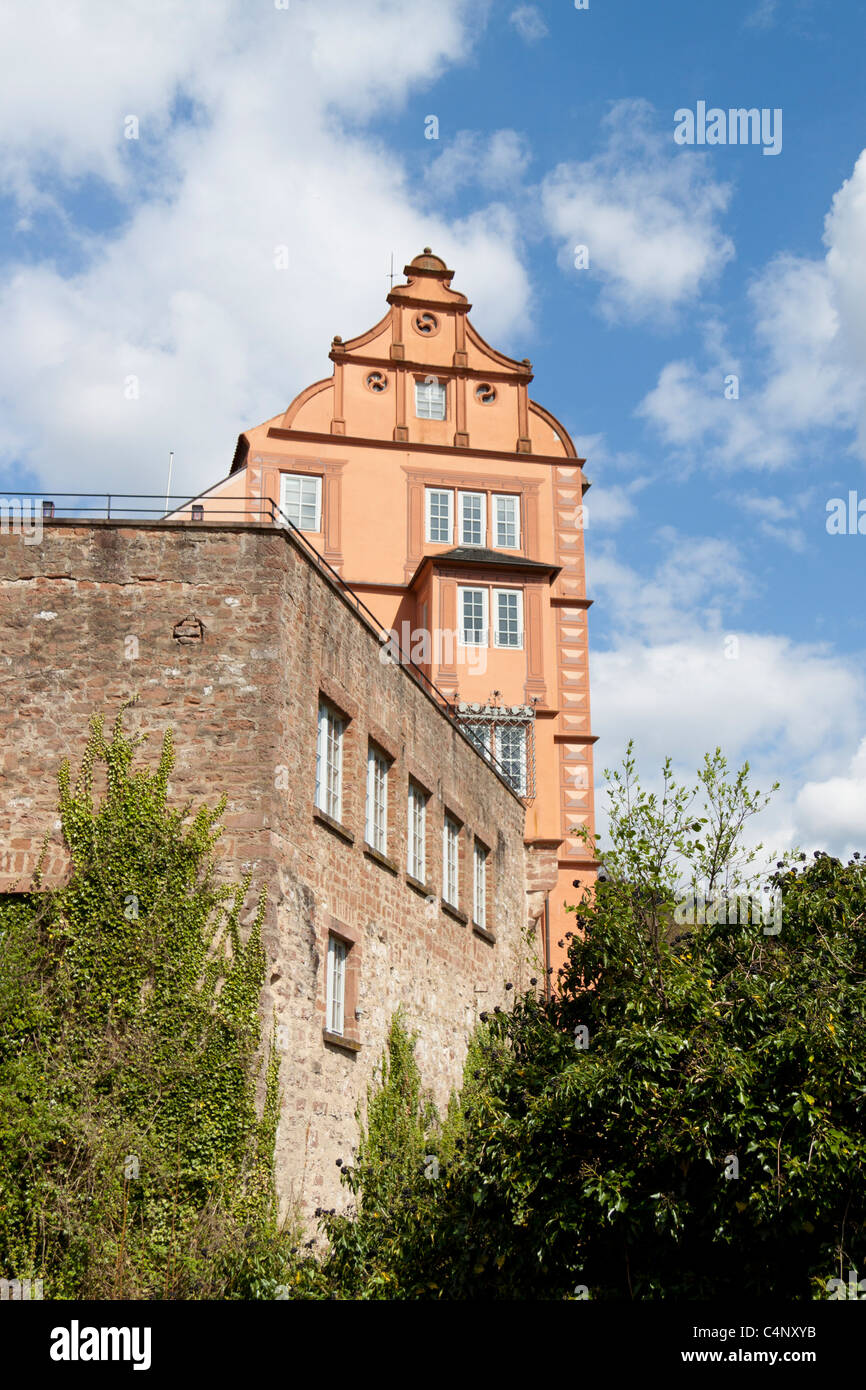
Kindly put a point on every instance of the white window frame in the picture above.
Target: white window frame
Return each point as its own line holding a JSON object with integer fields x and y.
{"x": 514, "y": 500}
{"x": 461, "y": 500}
{"x": 520, "y": 783}
{"x": 376, "y": 814}
{"x": 441, "y": 492}
{"x": 451, "y": 860}
{"x": 338, "y": 954}
{"x": 462, "y": 591}
{"x": 427, "y": 395}
{"x": 304, "y": 479}
{"x": 497, "y": 642}
{"x": 329, "y": 761}
{"x": 416, "y": 833}
{"x": 479, "y": 884}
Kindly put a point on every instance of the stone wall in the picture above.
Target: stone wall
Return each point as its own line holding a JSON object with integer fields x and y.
{"x": 231, "y": 635}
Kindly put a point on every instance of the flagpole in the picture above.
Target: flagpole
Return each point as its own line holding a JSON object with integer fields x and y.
{"x": 168, "y": 484}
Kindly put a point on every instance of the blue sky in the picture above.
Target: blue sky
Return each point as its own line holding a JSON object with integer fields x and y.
{"x": 153, "y": 258}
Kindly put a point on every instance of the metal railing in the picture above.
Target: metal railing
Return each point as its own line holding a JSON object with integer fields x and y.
{"x": 484, "y": 728}
{"x": 116, "y": 506}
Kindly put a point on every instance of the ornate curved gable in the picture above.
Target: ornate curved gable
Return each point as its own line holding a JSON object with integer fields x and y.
{"x": 425, "y": 338}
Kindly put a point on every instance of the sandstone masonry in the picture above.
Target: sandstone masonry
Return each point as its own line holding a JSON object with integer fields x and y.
{"x": 231, "y": 635}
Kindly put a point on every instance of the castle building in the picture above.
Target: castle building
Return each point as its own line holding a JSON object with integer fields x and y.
{"x": 371, "y": 637}
{"x": 452, "y": 504}
{"x": 392, "y": 854}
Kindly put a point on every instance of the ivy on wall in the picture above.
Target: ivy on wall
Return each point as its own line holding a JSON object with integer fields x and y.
{"x": 135, "y": 1161}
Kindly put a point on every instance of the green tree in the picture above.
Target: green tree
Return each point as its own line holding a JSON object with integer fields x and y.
{"x": 685, "y": 1117}
{"x": 134, "y": 1161}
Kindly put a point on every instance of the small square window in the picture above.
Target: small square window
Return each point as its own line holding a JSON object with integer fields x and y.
{"x": 429, "y": 400}
{"x": 301, "y": 500}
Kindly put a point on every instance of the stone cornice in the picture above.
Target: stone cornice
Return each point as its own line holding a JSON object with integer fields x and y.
{"x": 413, "y": 447}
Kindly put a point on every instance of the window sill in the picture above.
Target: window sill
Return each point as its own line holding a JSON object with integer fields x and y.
{"x": 419, "y": 887}
{"x": 324, "y": 819}
{"x": 454, "y": 912}
{"x": 380, "y": 858}
{"x": 338, "y": 1040}
{"x": 304, "y": 530}
{"x": 484, "y": 933}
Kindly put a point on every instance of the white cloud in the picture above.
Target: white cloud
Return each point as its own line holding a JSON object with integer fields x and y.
{"x": 608, "y": 505}
{"x": 834, "y": 809}
{"x": 529, "y": 23}
{"x": 69, "y": 82}
{"x": 185, "y": 294}
{"x": 764, "y": 16}
{"x": 696, "y": 584}
{"x": 493, "y": 163}
{"x": 806, "y": 372}
{"x": 681, "y": 677}
{"x": 769, "y": 508}
{"x": 98, "y": 62}
{"x": 773, "y": 703}
{"x": 599, "y": 454}
{"x": 648, "y": 214}
{"x": 776, "y": 518}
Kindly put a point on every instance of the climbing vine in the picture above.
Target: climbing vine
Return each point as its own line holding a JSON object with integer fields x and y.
{"x": 135, "y": 1161}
